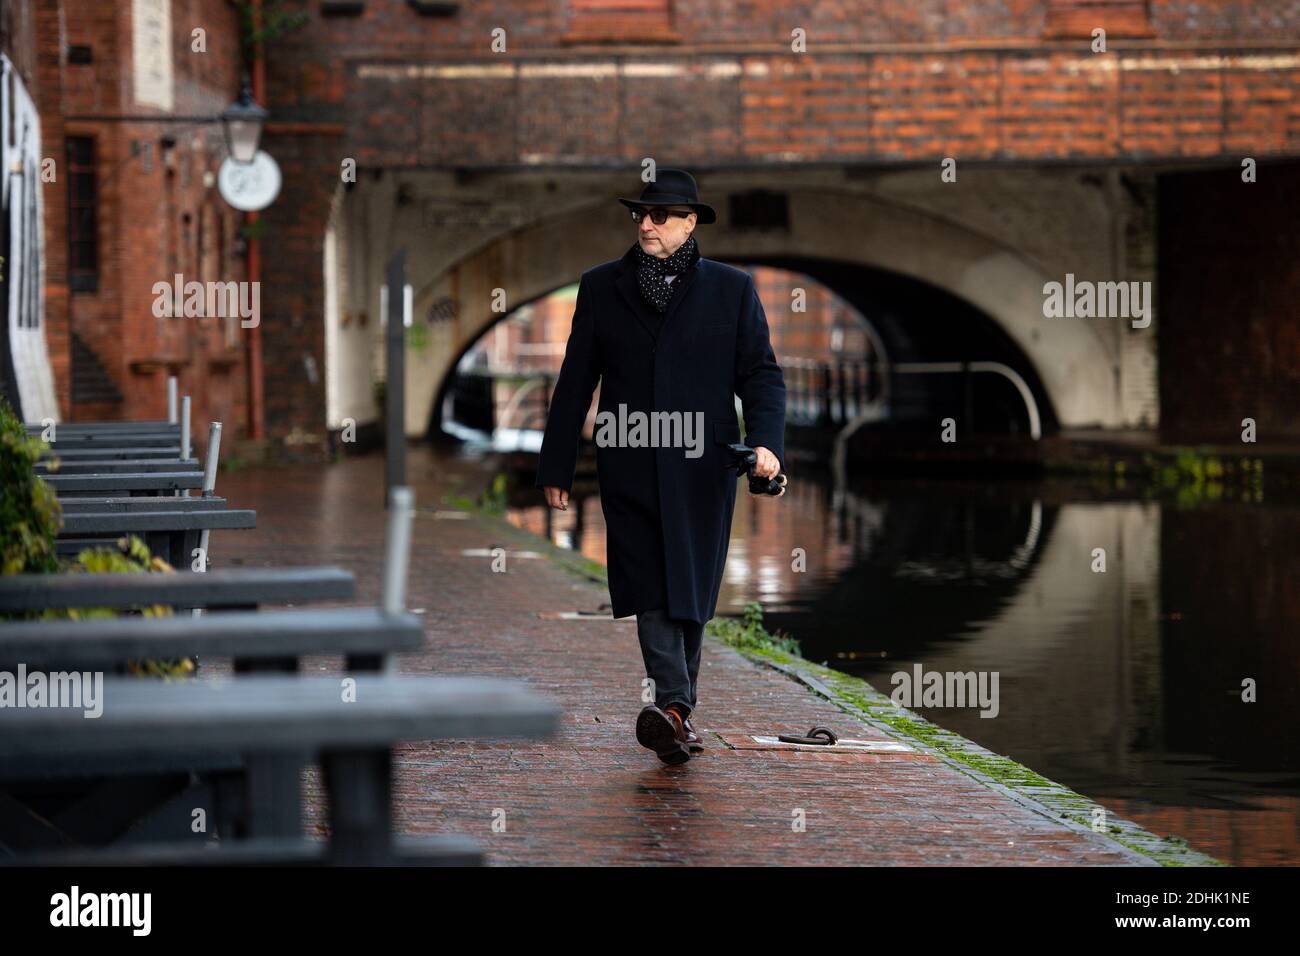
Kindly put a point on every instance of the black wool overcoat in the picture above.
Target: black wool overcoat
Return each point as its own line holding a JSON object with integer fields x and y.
{"x": 667, "y": 515}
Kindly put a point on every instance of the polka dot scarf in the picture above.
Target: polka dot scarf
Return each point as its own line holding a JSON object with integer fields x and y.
{"x": 652, "y": 270}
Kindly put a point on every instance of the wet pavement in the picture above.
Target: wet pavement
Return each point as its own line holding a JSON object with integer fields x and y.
{"x": 591, "y": 795}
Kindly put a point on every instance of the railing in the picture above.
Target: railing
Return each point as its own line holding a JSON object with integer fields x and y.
{"x": 997, "y": 368}
{"x": 475, "y": 403}
{"x": 830, "y": 392}
{"x": 818, "y": 393}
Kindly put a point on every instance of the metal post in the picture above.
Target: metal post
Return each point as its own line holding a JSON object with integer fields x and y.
{"x": 210, "y": 464}
{"x": 185, "y": 438}
{"x": 209, "y": 486}
{"x": 395, "y": 383}
{"x": 185, "y": 427}
{"x": 171, "y": 399}
{"x": 397, "y": 558}
{"x": 210, "y": 480}
{"x": 398, "y": 549}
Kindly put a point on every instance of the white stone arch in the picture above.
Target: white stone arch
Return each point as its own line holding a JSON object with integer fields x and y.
{"x": 1072, "y": 357}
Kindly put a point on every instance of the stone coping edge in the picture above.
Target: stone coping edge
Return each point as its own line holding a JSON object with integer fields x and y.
{"x": 1015, "y": 781}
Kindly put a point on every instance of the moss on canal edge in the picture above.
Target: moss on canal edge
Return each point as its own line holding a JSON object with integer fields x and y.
{"x": 1054, "y": 800}
{"x": 858, "y": 698}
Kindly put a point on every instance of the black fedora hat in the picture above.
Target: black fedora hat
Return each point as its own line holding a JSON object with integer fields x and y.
{"x": 673, "y": 187}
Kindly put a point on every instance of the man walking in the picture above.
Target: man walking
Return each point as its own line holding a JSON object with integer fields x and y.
{"x": 665, "y": 330}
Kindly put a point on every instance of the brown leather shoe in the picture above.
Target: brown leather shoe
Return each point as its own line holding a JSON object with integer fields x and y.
{"x": 662, "y": 732}
{"x": 693, "y": 740}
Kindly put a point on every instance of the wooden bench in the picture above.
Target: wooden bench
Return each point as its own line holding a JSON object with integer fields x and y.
{"x": 113, "y": 795}
{"x": 101, "y": 426}
{"x": 230, "y": 589}
{"x": 236, "y": 746}
{"x": 90, "y": 441}
{"x": 101, "y": 505}
{"x": 106, "y": 797}
{"x": 143, "y": 483}
{"x": 274, "y": 639}
{"x": 172, "y": 534}
{"x": 279, "y": 724}
{"x": 166, "y": 448}
{"x": 104, "y": 435}
{"x": 111, "y": 466}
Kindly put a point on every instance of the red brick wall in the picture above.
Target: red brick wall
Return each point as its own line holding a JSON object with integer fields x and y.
{"x": 293, "y": 290}
{"x": 1227, "y": 284}
{"x": 986, "y": 85}
{"x": 531, "y": 24}
{"x": 149, "y": 213}
{"x": 894, "y": 81}
{"x": 1006, "y": 92}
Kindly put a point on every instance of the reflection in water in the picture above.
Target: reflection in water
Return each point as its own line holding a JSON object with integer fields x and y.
{"x": 1124, "y": 684}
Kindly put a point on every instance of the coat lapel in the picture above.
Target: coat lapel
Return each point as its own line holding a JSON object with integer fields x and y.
{"x": 627, "y": 287}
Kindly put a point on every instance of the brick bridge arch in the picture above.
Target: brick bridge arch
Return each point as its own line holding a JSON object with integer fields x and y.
{"x": 1069, "y": 359}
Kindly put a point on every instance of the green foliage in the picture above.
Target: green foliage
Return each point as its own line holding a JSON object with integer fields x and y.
{"x": 30, "y": 516}
{"x": 276, "y": 22}
{"x": 1193, "y": 478}
{"x": 417, "y": 337}
{"x": 749, "y": 632}
{"x": 130, "y": 556}
{"x": 493, "y": 498}
{"x": 30, "y": 519}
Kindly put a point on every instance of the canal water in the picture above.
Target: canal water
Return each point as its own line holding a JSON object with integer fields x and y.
{"x": 1125, "y": 684}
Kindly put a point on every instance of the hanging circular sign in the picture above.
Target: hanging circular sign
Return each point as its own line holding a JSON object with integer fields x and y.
{"x": 249, "y": 186}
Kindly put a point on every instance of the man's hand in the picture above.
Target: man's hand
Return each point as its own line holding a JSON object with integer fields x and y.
{"x": 766, "y": 464}
{"x": 557, "y": 498}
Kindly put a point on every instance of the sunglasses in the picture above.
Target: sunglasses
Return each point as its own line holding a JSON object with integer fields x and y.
{"x": 658, "y": 215}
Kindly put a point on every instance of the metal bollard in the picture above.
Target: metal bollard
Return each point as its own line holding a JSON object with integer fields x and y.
{"x": 210, "y": 464}
{"x": 209, "y": 485}
{"x": 185, "y": 438}
{"x": 397, "y": 553}
{"x": 397, "y": 557}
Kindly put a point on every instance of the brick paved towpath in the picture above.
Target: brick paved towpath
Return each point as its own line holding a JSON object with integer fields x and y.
{"x": 591, "y": 795}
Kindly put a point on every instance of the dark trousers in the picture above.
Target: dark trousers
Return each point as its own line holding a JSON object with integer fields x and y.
{"x": 671, "y": 650}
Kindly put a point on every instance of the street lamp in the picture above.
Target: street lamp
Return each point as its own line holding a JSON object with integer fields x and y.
{"x": 243, "y": 121}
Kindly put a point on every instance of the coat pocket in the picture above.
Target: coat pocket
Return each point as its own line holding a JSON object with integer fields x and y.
{"x": 726, "y": 433}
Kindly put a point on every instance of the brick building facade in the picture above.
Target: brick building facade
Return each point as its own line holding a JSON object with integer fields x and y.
{"x": 584, "y": 84}
{"x": 135, "y": 204}
{"x": 716, "y": 85}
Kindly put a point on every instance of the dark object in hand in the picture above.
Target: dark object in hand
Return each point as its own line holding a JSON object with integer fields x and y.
{"x": 743, "y": 459}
